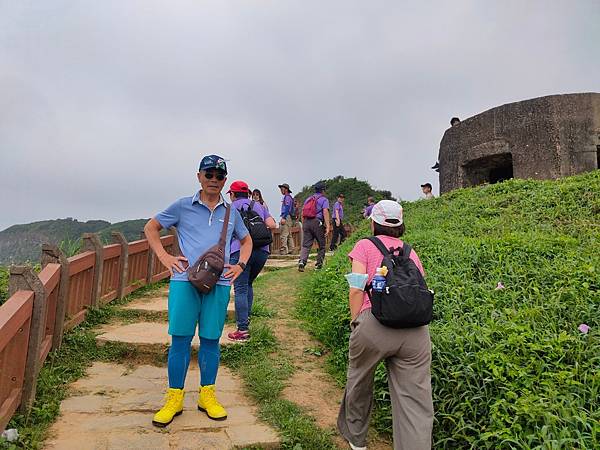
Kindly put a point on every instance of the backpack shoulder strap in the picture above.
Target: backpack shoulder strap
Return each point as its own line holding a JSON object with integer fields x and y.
{"x": 223, "y": 236}
{"x": 406, "y": 249}
{"x": 251, "y": 207}
{"x": 384, "y": 251}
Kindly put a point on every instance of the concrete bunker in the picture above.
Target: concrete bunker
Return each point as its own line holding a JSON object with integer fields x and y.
{"x": 542, "y": 138}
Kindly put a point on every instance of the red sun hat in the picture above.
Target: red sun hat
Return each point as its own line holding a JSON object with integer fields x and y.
{"x": 239, "y": 186}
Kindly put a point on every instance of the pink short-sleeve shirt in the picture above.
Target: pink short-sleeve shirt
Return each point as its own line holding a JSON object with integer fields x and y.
{"x": 366, "y": 253}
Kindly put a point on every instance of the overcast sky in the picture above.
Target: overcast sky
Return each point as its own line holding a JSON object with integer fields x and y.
{"x": 107, "y": 107}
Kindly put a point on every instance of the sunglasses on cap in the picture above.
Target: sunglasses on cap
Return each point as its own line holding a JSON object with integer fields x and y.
{"x": 216, "y": 174}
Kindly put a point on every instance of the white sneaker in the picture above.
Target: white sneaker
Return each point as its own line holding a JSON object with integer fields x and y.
{"x": 354, "y": 447}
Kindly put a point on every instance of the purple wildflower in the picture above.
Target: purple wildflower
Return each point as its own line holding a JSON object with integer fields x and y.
{"x": 583, "y": 328}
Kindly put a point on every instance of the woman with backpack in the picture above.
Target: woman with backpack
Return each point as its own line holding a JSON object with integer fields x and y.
{"x": 403, "y": 342}
{"x": 259, "y": 222}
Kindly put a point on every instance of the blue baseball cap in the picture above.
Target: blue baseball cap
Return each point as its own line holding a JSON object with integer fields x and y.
{"x": 320, "y": 186}
{"x": 213, "y": 162}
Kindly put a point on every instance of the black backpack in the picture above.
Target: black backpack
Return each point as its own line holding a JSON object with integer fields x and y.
{"x": 259, "y": 232}
{"x": 405, "y": 302}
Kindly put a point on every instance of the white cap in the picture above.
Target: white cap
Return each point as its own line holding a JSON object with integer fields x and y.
{"x": 387, "y": 213}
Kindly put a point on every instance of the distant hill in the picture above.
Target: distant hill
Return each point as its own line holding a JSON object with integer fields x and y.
{"x": 356, "y": 193}
{"x": 21, "y": 243}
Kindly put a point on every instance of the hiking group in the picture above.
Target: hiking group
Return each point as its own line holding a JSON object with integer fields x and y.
{"x": 223, "y": 243}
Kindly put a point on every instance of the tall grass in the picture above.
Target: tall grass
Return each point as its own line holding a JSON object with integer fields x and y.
{"x": 510, "y": 367}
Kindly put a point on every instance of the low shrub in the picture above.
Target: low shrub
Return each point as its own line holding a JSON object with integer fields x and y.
{"x": 510, "y": 367}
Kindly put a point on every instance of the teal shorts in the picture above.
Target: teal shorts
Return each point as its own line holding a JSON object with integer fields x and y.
{"x": 188, "y": 307}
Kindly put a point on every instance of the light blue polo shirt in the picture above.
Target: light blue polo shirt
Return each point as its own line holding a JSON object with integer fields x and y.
{"x": 199, "y": 228}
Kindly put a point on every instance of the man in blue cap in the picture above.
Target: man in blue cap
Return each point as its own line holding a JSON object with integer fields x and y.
{"x": 315, "y": 225}
{"x": 199, "y": 220}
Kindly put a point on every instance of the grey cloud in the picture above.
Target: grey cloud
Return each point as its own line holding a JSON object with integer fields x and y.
{"x": 108, "y": 106}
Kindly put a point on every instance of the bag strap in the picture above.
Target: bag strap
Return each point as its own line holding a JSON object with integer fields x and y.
{"x": 251, "y": 206}
{"x": 317, "y": 197}
{"x": 384, "y": 251}
{"x": 223, "y": 236}
{"x": 406, "y": 250}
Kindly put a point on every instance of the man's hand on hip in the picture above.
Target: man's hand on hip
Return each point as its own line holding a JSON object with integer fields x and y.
{"x": 235, "y": 270}
{"x": 173, "y": 263}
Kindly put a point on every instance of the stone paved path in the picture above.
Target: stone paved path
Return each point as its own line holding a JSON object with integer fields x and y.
{"x": 112, "y": 407}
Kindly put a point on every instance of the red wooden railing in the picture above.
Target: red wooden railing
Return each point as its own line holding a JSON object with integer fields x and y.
{"x": 50, "y": 278}
{"x": 158, "y": 271}
{"x": 110, "y": 273}
{"x": 41, "y": 306}
{"x": 297, "y": 237}
{"x": 81, "y": 285}
{"x": 137, "y": 264}
{"x": 15, "y": 320}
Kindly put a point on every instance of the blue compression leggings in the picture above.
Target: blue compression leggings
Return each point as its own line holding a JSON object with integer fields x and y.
{"x": 179, "y": 360}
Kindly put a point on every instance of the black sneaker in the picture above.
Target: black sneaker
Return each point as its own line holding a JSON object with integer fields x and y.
{"x": 318, "y": 266}
{"x": 301, "y": 267}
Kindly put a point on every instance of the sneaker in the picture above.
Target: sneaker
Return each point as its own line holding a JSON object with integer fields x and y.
{"x": 238, "y": 336}
{"x": 355, "y": 447}
{"x": 173, "y": 407}
{"x": 318, "y": 266}
{"x": 207, "y": 402}
{"x": 301, "y": 267}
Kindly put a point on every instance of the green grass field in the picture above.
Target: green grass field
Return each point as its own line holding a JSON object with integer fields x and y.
{"x": 510, "y": 367}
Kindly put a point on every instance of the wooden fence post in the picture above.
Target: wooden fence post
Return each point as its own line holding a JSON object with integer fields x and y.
{"x": 52, "y": 254}
{"x": 23, "y": 278}
{"x": 119, "y": 238}
{"x": 176, "y": 249}
{"x": 90, "y": 242}
{"x": 150, "y": 270}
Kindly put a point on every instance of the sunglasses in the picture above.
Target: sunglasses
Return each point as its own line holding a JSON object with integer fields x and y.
{"x": 218, "y": 175}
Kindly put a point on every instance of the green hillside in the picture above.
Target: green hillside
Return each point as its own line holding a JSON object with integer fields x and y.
{"x": 510, "y": 367}
{"x": 356, "y": 193}
{"x": 21, "y": 243}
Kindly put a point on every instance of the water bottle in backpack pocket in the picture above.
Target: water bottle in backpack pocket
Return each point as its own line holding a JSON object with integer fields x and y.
{"x": 403, "y": 300}
{"x": 378, "y": 283}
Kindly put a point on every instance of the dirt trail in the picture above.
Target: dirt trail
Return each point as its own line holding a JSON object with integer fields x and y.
{"x": 310, "y": 386}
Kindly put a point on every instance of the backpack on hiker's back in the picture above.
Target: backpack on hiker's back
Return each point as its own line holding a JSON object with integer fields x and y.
{"x": 405, "y": 302}
{"x": 259, "y": 232}
{"x": 294, "y": 210}
{"x": 310, "y": 208}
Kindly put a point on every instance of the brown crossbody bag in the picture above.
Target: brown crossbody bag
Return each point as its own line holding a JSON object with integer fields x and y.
{"x": 205, "y": 272}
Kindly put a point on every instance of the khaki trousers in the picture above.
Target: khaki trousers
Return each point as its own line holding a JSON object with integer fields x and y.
{"x": 407, "y": 355}
{"x": 287, "y": 242}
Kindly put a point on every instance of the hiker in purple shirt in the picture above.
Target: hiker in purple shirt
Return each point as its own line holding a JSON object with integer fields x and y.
{"x": 286, "y": 219}
{"x": 339, "y": 232}
{"x": 368, "y": 207}
{"x": 257, "y": 197}
{"x": 315, "y": 225}
{"x": 244, "y": 293}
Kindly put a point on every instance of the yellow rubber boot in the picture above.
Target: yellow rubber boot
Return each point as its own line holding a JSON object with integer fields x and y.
{"x": 173, "y": 407}
{"x": 207, "y": 402}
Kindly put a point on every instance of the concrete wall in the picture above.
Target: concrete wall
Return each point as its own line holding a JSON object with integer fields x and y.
{"x": 546, "y": 137}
